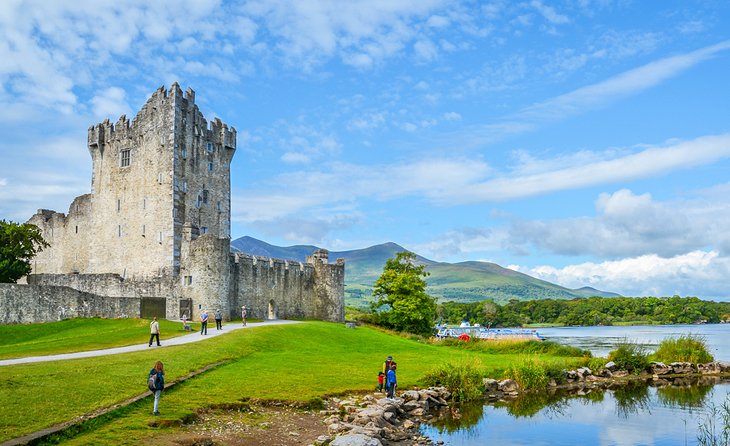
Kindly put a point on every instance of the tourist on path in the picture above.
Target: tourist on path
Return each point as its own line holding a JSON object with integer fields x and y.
{"x": 381, "y": 380}
{"x": 158, "y": 370}
{"x": 154, "y": 331}
{"x": 218, "y": 319}
{"x": 243, "y": 315}
{"x": 392, "y": 383}
{"x": 204, "y": 323}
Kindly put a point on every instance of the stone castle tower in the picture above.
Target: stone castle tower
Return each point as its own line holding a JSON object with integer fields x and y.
{"x": 157, "y": 223}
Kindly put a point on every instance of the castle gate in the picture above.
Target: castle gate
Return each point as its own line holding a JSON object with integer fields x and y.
{"x": 152, "y": 307}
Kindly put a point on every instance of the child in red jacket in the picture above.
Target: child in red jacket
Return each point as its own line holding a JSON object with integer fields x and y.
{"x": 381, "y": 379}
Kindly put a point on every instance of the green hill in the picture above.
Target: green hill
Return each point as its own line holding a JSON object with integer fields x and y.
{"x": 461, "y": 282}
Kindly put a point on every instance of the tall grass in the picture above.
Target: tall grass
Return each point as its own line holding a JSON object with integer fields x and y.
{"x": 465, "y": 380}
{"x": 714, "y": 429}
{"x": 630, "y": 356}
{"x": 685, "y": 348}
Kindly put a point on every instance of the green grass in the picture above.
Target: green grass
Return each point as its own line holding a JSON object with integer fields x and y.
{"x": 300, "y": 362}
{"x": 685, "y": 348}
{"x": 74, "y": 335}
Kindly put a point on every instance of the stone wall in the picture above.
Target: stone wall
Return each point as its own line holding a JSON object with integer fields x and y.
{"x": 25, "y": 304}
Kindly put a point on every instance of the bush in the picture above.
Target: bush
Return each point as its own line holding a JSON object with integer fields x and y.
{"x": 529, "y": 374}
{"x": 465, "y": 381}
{"x": 596, "y": 364}
{"x": 630, "y": 356}
{"x": 685, "y": 348}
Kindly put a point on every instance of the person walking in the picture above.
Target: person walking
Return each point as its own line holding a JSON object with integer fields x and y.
{"x": 243, "y": 315}
{"x": 204, "y": 323}
{"x": 218, "y": 319}
{"x": 154, "y": 331}
{"x": 159, "y": 371}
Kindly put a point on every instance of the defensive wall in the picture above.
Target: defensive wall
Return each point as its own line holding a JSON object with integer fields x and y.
{"x": 25, "y": 304}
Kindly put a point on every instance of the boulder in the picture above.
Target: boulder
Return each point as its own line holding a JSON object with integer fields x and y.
{"x": 508, "y": 386}
{"x": 410, "y": 395}
{"x": 680, "y": 368}
{"x": 611, "y": 366}
{"x": 490, "y": 385}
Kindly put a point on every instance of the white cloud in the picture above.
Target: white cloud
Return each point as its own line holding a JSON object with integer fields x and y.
{"x": 629, "y": 82}
{"x": 111, "y": 102}
{"x": 549, "y": 13}
{"x": 452, "y": 116}
{"x": 696, "y": 273}
{"x": 646, "y": 163}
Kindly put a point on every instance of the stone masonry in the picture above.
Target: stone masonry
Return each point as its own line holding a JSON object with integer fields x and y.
{"x": 157, "y": 224}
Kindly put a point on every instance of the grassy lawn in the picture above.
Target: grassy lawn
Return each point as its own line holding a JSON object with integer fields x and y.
{"x": 294, "y": 362}
{"x": 74, "y": 335}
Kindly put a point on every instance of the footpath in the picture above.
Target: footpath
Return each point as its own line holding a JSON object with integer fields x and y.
{"x": 180, "y": 340}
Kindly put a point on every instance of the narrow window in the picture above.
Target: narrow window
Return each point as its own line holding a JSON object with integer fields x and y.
{"x": 125, "y": 158}
{"x": 188, "y": 280}
{"x": 184, "y": 153}
{"x": 210, "y": 147}
{"x": 185, "y": 186}
{"x": 119, "y": 204}
{"x": 160, "y": 237}
{"x": 218, "y": 206}
{"x": 144, "y": 203}
{"x": 119, "y": 230}
{"x": 205, "y": 196}
{"x": 77, "y": 229}
{"x": 203, "y": 230}
{"x": 210, "y": 167}
{"x": 200, "y": 201}
{"x": 143, "y": 230}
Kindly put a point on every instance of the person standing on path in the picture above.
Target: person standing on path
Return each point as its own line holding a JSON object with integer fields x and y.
{"x": 204, "y": 322}
{"x": 158, "y": 370}
{"x": 218, "y": 319}
{"x": 243, "y": 315}
{"x": 154, "y": 331}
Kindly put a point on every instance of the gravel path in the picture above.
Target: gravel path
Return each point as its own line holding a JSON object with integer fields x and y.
{"x": 193, "y": 337}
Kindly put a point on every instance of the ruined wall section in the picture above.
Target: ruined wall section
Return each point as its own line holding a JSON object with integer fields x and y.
{"x": 68, "y": 237}
{"x": 285, "y": 289}
{"x": 26, "y": 304}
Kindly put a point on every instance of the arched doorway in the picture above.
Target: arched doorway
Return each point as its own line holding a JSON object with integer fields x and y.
{"x": 272, "y": 311}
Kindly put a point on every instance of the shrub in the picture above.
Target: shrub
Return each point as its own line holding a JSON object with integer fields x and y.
{"x": 685, "y": 348}
{"x": 465, "y": 381}
{"x": 630, "y": 356}
{"x": 529, "y": 374}
{"x": 596, "y": 364}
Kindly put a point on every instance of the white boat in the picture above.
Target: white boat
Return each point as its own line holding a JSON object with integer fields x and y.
{"x": 443, "y": 331}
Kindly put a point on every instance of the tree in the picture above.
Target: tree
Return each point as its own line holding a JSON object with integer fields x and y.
{"x": 19, "y": 243}
{"x": 490, "y": 309}
{"x": 401, "y": 289}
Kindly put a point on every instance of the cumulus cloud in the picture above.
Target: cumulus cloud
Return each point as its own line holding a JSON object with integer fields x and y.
{"x": 627, "y": 224}
{"x": 695, "y": 273}
{"x": 110, "y": 102}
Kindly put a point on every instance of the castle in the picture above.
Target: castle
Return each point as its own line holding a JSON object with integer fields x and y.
{"x": 156, "y": 226}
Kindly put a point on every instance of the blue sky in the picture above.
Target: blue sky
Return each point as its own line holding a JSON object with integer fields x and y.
{"x": 583, "y": 142}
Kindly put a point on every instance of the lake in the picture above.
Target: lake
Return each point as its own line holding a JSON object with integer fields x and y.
{"x": 601, "y": 340}
{"x": 637, "y": 414}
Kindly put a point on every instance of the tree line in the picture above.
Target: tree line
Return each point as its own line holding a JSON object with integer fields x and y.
{"x": 587, "y": 311}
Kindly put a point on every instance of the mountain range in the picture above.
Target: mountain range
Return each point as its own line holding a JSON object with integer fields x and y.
{"x": 469, "y": 281}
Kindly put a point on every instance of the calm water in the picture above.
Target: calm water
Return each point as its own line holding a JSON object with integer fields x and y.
{"x": 636, "y": 415}
{"x": 601, "y": 340}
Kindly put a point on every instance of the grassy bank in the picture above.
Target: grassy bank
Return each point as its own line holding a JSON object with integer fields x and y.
{"x": 296, "y": 362}
{"x": 75, "y": 335}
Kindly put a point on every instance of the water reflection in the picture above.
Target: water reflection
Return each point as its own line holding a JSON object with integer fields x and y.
{"x": 665, "y": 413}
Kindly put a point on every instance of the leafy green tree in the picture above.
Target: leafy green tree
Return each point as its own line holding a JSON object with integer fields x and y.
{"x": 401, "y": 290}
{"x": 19, "y": 243}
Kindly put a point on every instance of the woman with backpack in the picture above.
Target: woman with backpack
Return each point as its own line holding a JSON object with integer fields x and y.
{"x": 156, "y": 382}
